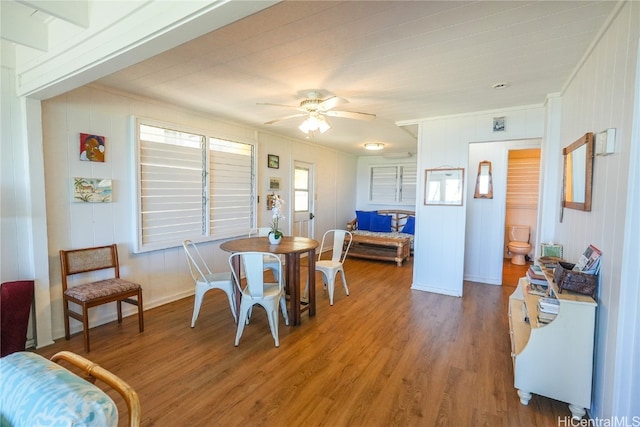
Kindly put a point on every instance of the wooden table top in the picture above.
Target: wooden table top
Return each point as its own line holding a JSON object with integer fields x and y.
{"x": 288, "y": 245}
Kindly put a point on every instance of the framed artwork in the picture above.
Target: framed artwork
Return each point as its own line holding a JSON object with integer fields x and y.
{"x": 499, "y": 124}
{"x": 271, "y": 201}
{"x": 274, "y": 183}
{"x": 273, "y": 161}
{"x": 92, "y": 147}
{"x": 92, "y": 190}
{"x": 443, "y": 186}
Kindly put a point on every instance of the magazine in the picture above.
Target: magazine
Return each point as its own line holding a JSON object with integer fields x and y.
{"x": 589, "y": 261}
{"x": 539, "y": 290}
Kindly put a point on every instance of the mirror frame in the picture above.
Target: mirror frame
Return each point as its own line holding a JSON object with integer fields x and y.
{"x": 432, "y": 175}
{"x": 585, "y": 140}
{"x": 485, "y": 164}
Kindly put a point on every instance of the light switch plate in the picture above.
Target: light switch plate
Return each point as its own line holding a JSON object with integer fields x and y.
{"x": 605, "y": 142}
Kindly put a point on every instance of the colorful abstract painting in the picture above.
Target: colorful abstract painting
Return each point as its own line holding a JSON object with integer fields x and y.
{"x": 92, "y": 147}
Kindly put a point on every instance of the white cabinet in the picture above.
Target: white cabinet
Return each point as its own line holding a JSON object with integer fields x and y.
{"x": 553, "y": 360}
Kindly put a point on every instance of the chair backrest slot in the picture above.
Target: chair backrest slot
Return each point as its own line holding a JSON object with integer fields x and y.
{"x": 253, "y": 264}
{"x": 253, "y": 270}
{"x": 341, "y": 244}
{"x": 197, "y": 265}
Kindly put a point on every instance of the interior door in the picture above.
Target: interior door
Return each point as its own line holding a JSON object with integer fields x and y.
{"x": 303, "y": 199}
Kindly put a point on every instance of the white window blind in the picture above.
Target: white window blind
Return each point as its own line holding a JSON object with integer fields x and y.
{"x": 522, "y": 182}
{"x": 393, "y": 184}
{"x": 408, "y": 184}
{"x": 232, "y": 175}
{"x": 188, "y": 189}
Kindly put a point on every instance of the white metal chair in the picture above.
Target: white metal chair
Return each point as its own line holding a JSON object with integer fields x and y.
{"x": 330, "y": 268}
{"x": 257, "y": 291}
{"x": 206, "y": 280}
{"x": 268, "y": 265}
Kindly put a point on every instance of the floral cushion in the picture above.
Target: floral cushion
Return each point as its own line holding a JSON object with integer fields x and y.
{"x": 103, "y": 288}
{"x": 383, "y": 234}
{"x": 39, "y": 392}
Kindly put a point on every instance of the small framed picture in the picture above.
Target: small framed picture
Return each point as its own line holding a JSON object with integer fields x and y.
{"x": 273, "y": 161}
{"x": 92, "y": 147}
{"x": 274, "y": 183}
{"x": 498, "y": 124}
{"x": 92, "y": 190}
{"x": 271, "y": 201}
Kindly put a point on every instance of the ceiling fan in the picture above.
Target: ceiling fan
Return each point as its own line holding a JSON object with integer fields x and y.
{"x": 314, "y": 108}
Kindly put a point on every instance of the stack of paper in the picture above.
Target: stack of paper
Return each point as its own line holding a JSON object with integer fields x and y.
{"x": 549, "y": 305}
{"x": 547, "y": 309}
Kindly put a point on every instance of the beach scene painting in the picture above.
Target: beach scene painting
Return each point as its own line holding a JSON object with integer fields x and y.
{"x": 91, "y": 190}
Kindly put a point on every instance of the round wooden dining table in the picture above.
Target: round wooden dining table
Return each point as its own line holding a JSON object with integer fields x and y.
{"x": 291, "y": 247}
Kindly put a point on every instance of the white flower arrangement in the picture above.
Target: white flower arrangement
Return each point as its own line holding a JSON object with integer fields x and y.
{"x": 277, "y": 216}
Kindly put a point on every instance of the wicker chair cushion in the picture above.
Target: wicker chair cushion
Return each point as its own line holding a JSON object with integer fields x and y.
{"x": 39, "y": 392}
{"x": 100, "y": 289}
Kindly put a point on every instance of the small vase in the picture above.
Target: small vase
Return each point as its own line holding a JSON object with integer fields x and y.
{"x": 274, "y": 240}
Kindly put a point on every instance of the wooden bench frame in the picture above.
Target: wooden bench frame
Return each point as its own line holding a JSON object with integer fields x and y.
{"x": 383, "y": 248}
{"x": 93, "y": 371}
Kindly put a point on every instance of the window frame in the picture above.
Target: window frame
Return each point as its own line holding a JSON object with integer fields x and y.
{"x": 399, "y": 184}
{"x": 206, "y": 233}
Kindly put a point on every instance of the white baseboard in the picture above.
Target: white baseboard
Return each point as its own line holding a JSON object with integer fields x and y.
{"x": 435, "y": 290}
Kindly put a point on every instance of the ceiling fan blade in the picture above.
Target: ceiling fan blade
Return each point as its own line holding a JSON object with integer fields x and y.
{"x": 297, "y": 107}
{"x": 330, "y": 103}
{"x": 350, "y": 115}
{"x": 270, "y": 122}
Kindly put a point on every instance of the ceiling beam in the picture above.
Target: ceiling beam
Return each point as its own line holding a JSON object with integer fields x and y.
{"x": 22, "y": 30}
{"x": 75, "y": 12}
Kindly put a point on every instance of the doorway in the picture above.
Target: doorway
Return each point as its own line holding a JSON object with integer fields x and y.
{"x": 486, "y": 217}
{"x": 303, "y": 199}
{"x": 523, "y": 182}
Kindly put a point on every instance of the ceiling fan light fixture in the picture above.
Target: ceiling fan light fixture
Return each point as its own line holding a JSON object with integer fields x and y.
{"x": 374, "y": 146}
{"x": 313, "y": 123}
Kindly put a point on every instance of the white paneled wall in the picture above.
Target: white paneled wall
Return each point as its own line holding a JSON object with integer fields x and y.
{"x": 601, "y": 96}
{"x": 487, "y": 218}
{"x": 23, "y": 216}
{"x": 163, "y": 274}
{"x": 441, "y": 243}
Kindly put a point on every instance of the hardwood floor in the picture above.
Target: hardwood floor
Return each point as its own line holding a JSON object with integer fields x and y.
{"x": 383, "y": 356}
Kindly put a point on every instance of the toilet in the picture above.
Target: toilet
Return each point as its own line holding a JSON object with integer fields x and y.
{"x": 518, "y": 246}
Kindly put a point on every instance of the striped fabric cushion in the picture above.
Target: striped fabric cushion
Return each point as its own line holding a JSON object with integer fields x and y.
{"x": 100, "y": 289}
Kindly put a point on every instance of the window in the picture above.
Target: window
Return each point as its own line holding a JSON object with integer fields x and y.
{"x": 191, "y": 186}
{"x": 301, "y": 190}
{"x": 393, "y": 184}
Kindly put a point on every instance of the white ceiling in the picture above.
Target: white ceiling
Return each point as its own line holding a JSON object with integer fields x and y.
{"x": 400, "y": 60}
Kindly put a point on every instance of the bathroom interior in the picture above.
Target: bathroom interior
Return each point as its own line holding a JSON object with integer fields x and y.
{"x": 521, "y": 207}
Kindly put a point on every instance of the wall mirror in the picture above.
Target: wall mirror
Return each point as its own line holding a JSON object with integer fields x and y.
{"x": 578, "y": 174}
{"x": 484, "y": 182}
{"x": 443, "y": 186}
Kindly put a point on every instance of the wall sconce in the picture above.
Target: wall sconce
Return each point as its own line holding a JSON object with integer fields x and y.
{"x": 484, "y": 182}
